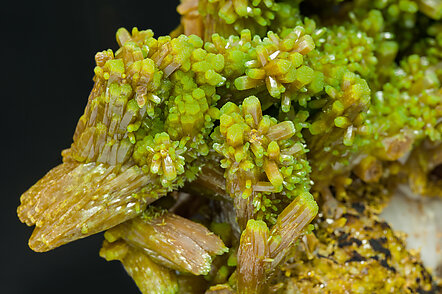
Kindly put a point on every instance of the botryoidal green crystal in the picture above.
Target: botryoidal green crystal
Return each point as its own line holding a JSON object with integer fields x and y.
{"x": 202, "y": 155}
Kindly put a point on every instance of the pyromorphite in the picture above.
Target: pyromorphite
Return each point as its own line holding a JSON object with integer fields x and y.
{"x": 240, "y": 120}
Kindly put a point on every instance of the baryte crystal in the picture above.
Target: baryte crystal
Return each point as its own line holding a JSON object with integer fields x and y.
{"x": 171, "y": 240}
{"x": 75, "y": 200}
{"x": 253, "y": 253}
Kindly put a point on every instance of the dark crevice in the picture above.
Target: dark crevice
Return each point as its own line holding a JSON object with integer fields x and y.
{"x": 435, "y": 174}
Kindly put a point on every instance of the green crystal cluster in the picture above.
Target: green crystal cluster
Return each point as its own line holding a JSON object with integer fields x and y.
{"x": 242, "y": 121}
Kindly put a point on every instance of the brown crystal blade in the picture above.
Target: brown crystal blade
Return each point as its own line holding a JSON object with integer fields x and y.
{"x": 253, "y": 253}
{"x": 151, "y": 278}
{"x": 244, "y": 210}
{"x": 101, "y": 134}
{"x": 289, "y": 226}
{"x": 75, "y": 200}
{"x": 171, "y": 240}
{"x": 220, "y": 289}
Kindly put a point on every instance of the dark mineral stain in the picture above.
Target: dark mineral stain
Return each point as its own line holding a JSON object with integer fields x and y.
{"x": 326, "y": 257}
{"x": 434, "y": 290}
{"x": 383, "y": 225}
{"x": 385, "y": 264}
{"x": 349, "y": 242}
{"x": 425, "y": 274}
{"x": 356, "y": 257}
{"x": 350, "y": 215}
{"x": 376, "y": 244}
{"x": 358, "y": 206}
{"x": 343, "y": 237}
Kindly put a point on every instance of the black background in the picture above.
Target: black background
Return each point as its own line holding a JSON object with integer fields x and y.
{"x": 46, "y": 63}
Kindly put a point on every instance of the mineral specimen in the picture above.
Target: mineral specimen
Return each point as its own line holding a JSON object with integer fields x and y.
{"x": 203, "y": 154}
